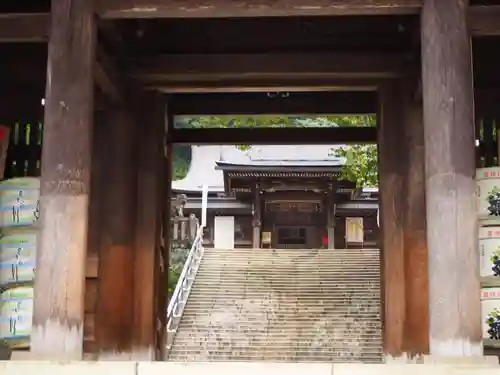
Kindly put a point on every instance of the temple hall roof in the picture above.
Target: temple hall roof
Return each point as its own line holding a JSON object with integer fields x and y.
{"x": 209, "y": 162}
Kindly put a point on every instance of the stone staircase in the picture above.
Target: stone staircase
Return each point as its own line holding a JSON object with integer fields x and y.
{"x": 283, "y": 305}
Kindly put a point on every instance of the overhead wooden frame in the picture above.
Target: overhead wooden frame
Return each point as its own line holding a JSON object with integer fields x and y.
{"x": 274, "y": 67}
{"x": 273, "y": 136}
{"x": 267, "y": 85}
{"x": 273, "y": 103}
{"x": 24, "y": 27}
{"x": 252, "y": 8}
{"x": 483, "y": 20}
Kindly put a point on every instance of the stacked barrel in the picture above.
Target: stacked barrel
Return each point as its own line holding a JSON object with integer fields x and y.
{"x": 488, "y": 210}
{"x": 19, "y": 212}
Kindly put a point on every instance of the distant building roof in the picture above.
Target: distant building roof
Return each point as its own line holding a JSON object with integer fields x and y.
{"x": 281, "y": 165}
{"x": 209, "y": 162}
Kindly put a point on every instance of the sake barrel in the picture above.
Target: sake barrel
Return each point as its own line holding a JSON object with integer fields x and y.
{"x": 19, "y": 202}
{"x": 16, "y": 312}
{"x": 488, "y": 195}
{"x": 17, "y": 255}
{"x": 489, "y": 251}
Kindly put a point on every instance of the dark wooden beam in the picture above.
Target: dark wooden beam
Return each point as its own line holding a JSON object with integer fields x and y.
{"x": 114, "y": 313}
{"x": 416, "y": 327}
{"x": 24, "y": 27}
{"x": 273, "y": 136}
{"x": 252, "y": 8}
{"x": 273, "y": 103}
{"x": 177, "y": 68}
{"x": 151, "y": 265}
{"x": 268, "y": 85}
{"x": 392, "y": 204}
{"x": 484, "y": 20}
{"x": 34, "y": 27}
{"x": 106, "y": 77}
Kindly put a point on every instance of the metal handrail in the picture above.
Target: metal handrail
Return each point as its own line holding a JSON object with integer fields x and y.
{"x": 183, "y": 287}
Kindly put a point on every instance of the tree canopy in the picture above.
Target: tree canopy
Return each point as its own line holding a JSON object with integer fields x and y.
{"x": 360, "y": 160}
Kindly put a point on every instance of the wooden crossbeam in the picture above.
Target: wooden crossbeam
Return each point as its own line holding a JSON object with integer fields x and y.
{"x": 178, "y": 68}
{"x": 24, "y": 27}
{"x": 483, "y": 20}
{"x": 273, "y": 136}
{"x": 106, "y": 77}
{"x": 267, "y": 85}
{"x": 295, "y": 103}
{"x": 252, "y": 8}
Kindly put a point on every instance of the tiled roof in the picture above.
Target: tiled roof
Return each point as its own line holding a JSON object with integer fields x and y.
{"x": 208, "y": 161}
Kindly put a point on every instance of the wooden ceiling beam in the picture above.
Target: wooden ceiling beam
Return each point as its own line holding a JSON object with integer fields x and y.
{"x": 273, "y": 136}
{"x": 267, "y": 85}
{"x": 24, "y": 27}
{"x": 484, "y": 20}
{"x": 106, "y": 77}
{"x": 295, "y": 103}
{"x": 252, "y": 8}
{"x": 177, "y": 68}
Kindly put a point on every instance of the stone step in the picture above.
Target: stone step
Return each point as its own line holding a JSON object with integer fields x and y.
{"x": 284, "y": 298}
{"x": 292, "y": 263}
{"x": 305, "y": 259}
{"x": 282, "y": 351}
{"x": 320, "y": 251}
{"x": 191, "y": 319}
{"x": 275, "y": 326}
{"x": 372, "y": 343}
{"x": 290, "y": 275}
{"x": 304, "y": 293}
{"x": 296, "y": 280}
{"x": 273, "y": 269}
{"x": 292, "y": 284}
{"x": 283, "y": 305}
{"x": 292, "y": 357}
{"x": 290, "y": 253}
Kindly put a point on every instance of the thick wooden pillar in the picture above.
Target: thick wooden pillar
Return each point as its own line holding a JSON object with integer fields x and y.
{"x": 114, "y": 308}
{"x": 257, "y": 217}
{"x": 454, "y": 287}
{"x": 65, "y": 182}
{"x": 148, "y": 262}
{"x": 95, "y": 231}
{"x": 416, "y": 330}
{"x": 164, "y": 121}
{"x": 391, "y": 150}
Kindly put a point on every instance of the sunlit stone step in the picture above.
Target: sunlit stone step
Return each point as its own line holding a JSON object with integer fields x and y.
{"x": 283, "y": 305}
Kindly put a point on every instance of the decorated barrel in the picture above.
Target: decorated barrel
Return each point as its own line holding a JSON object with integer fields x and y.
{"x": 489, "y": 251}
{"x": 19, "y": 202}
{"x": 17, "y": 256}
{"x": 488, "y": 195}
{"x": 16, "y": 312}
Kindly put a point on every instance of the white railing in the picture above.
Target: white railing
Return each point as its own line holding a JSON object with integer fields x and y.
{"x": 181, "y": 293}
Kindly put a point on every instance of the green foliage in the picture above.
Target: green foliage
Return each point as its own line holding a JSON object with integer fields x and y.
{"x": 361, "y": 164}
{"x": 173, "y": 277}
{"x": 181, "y": 156}
{"x": 361, "y": 160}
{"x": 178, "y": 256}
